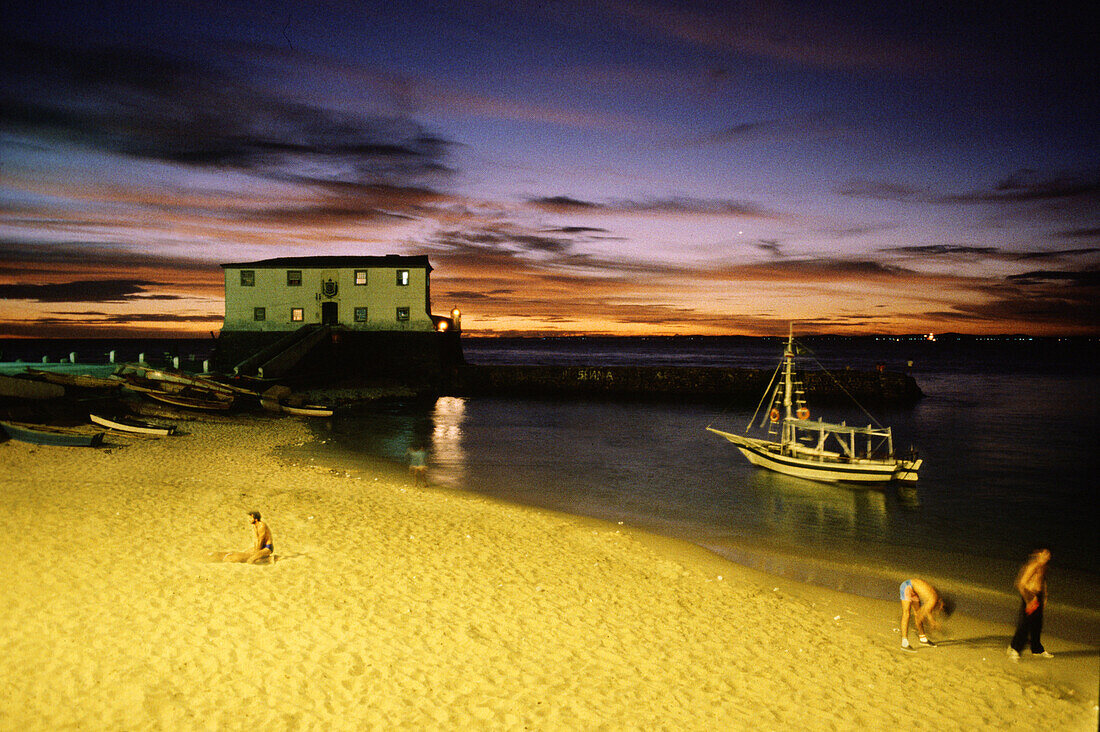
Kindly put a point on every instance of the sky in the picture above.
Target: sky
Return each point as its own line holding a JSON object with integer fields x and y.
{"x": 630, "y": 167}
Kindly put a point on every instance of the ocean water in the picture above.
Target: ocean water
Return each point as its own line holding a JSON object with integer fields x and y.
{"x": 1007, "y": 430}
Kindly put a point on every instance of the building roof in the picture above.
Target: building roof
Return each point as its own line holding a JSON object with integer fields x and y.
{"x": 389, "y": 260}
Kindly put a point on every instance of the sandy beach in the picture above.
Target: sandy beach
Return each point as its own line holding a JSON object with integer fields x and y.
{"x": 391, "y": 606}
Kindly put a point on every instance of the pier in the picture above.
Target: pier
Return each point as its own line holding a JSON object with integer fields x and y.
{"x": 736, "y": 386}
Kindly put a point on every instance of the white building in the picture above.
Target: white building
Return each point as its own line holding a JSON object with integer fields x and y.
{"x": 389, "y": 293}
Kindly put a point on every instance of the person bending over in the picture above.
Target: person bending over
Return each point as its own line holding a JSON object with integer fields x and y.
{"x": 263, "y": 548}
{"x": 924, "y": 603}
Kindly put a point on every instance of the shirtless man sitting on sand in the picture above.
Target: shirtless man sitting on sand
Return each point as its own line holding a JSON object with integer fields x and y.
{"x": 922, "y": 601}
{"x": 264, "y": 547}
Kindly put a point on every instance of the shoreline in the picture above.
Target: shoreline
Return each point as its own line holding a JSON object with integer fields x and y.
{"x": 431, "y": 608}
{"x": 1074, "y": 615}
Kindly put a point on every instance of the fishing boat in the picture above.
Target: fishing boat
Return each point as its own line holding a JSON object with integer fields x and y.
{"x": 81, "y": 381}
{"x": 172, "y": 380}
{"x": 793, "y": 443}
{"x": 38, "y": 434}
{"x": 189, "y": 398}
{"x": 134, "y": 426}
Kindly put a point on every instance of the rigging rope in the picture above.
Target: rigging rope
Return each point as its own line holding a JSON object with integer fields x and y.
{"x": 837, "y": 382}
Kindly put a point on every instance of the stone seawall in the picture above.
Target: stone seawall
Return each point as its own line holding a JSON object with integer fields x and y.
{"x": 734, "y": 386}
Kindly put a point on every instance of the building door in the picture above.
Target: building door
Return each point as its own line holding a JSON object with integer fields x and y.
{"x": 330, "y": 313}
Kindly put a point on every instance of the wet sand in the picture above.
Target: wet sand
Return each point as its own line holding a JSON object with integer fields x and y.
{"x": 390, "y": 606}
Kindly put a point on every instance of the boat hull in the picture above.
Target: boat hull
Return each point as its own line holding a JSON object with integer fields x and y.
{"x": 134, "y": 426}
{"x": 765, "y": 454}
{"x": 42, "y": 435}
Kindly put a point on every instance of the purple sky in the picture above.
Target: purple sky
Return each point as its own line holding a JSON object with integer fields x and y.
{"x": 623, "y": 167}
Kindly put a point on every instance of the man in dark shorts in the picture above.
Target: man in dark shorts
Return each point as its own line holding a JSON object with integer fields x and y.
{"x": 263, "y": 548}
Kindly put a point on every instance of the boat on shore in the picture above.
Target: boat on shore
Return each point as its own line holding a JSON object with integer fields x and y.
{"x": 80, "y": 381}
{"x": 181, "y": 396}
{"x": 794, "y": 444}
{"x": 173, "y": 380}
{"x": 177, "y": 388}
{"x": 38, "y": 434}
{"x": 306, "y": 410}
{"x": 133, "y": 426}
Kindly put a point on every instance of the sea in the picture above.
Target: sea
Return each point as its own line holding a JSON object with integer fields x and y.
{"x": 1007, "y": 429}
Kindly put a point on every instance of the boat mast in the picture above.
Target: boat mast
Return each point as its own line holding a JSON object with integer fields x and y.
{"x": 788, "y": 367}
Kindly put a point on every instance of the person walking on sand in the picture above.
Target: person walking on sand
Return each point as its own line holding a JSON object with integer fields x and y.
{"x": 263, "y": 548}
{"x": 418, "y": 464}
{"x": 1031, "y": 583}
{"x": 924, "y": 603}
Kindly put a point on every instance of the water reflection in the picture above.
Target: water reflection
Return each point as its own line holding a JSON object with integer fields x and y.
{"x": 448, "y": 455}
{"x": 799, "y": 509}
{"x": 908, "y": 496}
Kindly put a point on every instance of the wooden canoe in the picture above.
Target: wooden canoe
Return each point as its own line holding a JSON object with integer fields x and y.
{"x": 307, "y": 410}
{"x": 135, "y": 426}
{"x": 37, "y": 434}
{"x": 180, "y": 395}
{"x": 83, "y": 381}
{"x": 172, "y": 379}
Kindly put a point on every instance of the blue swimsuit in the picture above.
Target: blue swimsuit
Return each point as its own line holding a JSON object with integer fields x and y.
{"x": 905, "y": 587}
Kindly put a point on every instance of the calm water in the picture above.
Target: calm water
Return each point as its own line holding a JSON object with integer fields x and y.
{"x": 1007, "y": 431}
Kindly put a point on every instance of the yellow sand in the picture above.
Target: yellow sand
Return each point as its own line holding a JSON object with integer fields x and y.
{"x": 391, "y": 606}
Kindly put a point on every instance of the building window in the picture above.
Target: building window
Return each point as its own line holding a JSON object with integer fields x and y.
{"x": 402, "y": 314}
{"x": 294, "y": 278}
{"x": 403, "y": 278}
{"x": 259, "y": 313}
{"x": 360, "y": 315}
{"x": 360, "y": 277}
{"x": 248, "y": 277}
{"x": 297, "y": 314}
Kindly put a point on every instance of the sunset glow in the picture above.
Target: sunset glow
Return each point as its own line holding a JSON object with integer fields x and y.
{"x": 633, "y": 168}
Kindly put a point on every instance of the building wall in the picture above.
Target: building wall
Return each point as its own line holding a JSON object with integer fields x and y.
{"x": 381, "y": 296}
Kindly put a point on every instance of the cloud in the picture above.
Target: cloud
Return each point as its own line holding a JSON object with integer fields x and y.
{"x": 1060, "y": 253}
{"x": 771, "y": 246}
{"x": 1084, "y": 278}
{"x": 82, "y": 291}
{"x": 1068, "y": 301}
{"x": 809, "y": 270}
{"x": 1026, "y": 186}
{"x": 945, "y": 250}
{"x": 564, "y": 204}
{"x": 578, "y": 230}
{"x": 1088, "y": 232}
{"x": 682, "y": 205}
{"x": 154, "y": 106}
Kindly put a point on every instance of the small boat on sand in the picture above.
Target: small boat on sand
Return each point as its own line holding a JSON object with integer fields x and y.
{"x": 794, "y": 444}
{"x": 185, "y": 397}
{"x": 38, "y": 434}
{"x": 132, "y": 425}
{"x": 282, "y": 399}
{"x": 306, "y": 410}
{"x": 172, "y": 380}
{"x": 82, "y": 381}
